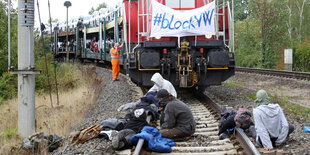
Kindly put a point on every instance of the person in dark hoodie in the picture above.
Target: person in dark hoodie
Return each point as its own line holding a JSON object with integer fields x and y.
{"x": 271, "y": 127}
{"x": 177, "y": 118}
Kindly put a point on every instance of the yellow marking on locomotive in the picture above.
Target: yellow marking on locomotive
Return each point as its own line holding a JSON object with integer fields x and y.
{"x": 217, "y": 68}
{"x": 194, "y": 78}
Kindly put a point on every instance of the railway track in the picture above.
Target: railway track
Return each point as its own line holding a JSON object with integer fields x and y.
{"x": 279, "y": 73}
{"x": 205, "y": 140}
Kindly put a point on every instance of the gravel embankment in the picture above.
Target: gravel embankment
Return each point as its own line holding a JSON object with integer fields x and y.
{"x": 112, "y": 95}
{"x": 246, "y": 85}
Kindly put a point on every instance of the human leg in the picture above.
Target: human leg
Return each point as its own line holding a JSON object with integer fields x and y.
{"x": 290, "y": 129}
{"x": 114, "y": 69}
{"x": 173, "y": 133}
{"x": 117, "y": 69}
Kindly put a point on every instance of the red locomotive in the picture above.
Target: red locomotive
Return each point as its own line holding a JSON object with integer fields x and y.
{"x": 193, "y": 60}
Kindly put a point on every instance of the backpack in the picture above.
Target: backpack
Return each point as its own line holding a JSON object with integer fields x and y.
{"x": 243, "y": 118}
{"x": 87, "y": 134}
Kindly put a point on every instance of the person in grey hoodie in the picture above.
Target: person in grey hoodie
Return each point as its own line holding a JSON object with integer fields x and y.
{"x": 177, "y": 119}
{"x": 271, "y": 127}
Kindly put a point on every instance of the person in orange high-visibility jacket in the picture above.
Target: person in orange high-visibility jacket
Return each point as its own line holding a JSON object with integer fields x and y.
{"x": 115, "y": 60}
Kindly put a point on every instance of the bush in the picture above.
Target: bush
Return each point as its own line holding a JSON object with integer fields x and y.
{"x": 301, "y": 56}
{"x": 8, "y": 86}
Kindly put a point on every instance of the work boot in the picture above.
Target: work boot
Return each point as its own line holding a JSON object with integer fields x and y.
{"x": 123, "y": 139}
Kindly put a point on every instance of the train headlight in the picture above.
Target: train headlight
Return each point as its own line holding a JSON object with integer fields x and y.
{"x": 158, "y": 37}
{"x": 208, "y": 36}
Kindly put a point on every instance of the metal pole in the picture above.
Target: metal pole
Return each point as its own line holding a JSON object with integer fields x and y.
{"x": 67, "y": 38}
{"x": 49, "y": 11}
{"x": 129, "y": 25}
{"x": 100, "y": 39}
{"x": 46, "y": 67}
{"x": 26, "y": 81}
{"x": 104, "y": 38}
{"x": 233, "y": 27}
{"x": 9, "y": 34}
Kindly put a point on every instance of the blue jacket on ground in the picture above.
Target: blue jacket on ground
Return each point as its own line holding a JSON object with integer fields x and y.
{"x": 153, "y": 137}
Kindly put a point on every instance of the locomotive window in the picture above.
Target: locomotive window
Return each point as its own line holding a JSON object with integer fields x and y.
{"x": 180, "y": 4}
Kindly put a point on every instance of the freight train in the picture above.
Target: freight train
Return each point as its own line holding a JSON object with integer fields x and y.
{"x": 191, "y": 60}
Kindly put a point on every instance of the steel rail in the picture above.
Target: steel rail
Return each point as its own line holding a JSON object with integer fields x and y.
{"x": 247, "y": 146}
{"x": 279, "y": 73}
{"x": 140, "y": 143}
{"x": 241, "y": 137}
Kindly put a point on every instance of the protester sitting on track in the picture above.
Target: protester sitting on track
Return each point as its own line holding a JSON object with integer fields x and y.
{"x": 177, "y": 118}
{"x": 231, "y": 118}
{"x": 161, "y": 83}
{"x": 271, "y": 127}
{"x": 149, "y": 97}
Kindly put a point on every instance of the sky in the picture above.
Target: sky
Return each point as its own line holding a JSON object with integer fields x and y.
{"x": 58, "y": 10}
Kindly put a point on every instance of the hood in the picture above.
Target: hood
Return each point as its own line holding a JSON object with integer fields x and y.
{"x": 270, "y": 110}
{"x": 158, "y": 80}
{"x": 262, "y": 98}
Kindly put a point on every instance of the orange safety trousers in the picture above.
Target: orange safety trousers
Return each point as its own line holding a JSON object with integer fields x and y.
{"x": 115, "y": 68}
{"x": 115, "y": 63}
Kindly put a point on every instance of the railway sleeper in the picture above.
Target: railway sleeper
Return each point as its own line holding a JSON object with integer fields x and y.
{"x": 191, "y": 143}
{"x": 224, "y": 147}
{"x": 199, "y": 153}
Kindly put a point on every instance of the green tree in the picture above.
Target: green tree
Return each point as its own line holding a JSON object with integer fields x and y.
{"x": 241, "y": 9}
{"x": 53, "y": 20}
{"x": 273, "y": 34}
{"x": 91, "y": 11}
{"x": 101, "y": 5}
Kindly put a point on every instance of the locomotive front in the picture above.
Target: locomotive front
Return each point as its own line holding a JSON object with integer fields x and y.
{"x": 192, "y": 44}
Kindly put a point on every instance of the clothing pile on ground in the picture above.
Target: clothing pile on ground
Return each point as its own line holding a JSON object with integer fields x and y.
{"x": 177, "y": 120}
{"x": 40, "y": 143}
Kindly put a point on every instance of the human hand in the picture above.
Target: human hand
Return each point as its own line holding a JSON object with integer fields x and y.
{"x": 267, "y": 148}
{"x": 121, "y": 108}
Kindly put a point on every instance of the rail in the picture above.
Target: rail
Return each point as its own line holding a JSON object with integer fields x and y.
{"x": 222, "y": 145}
{"x": 241, "y": 137}
{"x": 279, "y": 73}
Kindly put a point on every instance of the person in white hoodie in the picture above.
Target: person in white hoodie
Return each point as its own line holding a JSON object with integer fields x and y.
{"x": 271, "y": 127}
{"x": 161, "y": 83}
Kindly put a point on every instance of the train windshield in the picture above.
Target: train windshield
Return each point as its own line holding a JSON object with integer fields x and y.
{"x": 180, "y": 4}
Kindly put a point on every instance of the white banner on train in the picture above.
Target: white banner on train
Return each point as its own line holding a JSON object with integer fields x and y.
{"x": 167, "y": 22}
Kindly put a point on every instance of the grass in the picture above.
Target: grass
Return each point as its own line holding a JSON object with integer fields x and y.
{"x": 291, "y": 109}
{"x": 74, "y": 104}
{"x": 300, "y": 112}
{"x": 297, "y": 110}
{"x": 250, "y": 96}
{"x": 234, "y": 84}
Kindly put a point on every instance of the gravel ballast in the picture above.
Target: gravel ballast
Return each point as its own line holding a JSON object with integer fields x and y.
{"x": 245, "y": 85}
{"x": 239, "y": 90}
{"x": 112, "y": 95}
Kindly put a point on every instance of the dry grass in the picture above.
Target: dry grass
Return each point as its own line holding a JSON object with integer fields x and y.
{"x": 59, "y": 120}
